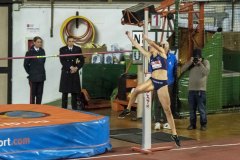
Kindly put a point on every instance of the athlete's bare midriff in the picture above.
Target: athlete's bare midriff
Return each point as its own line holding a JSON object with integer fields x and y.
{"x": 160, "y": 74}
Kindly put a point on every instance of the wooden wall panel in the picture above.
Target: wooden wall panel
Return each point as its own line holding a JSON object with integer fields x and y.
{"x": 4, "y": 88}
{"x": 4, "y": 35}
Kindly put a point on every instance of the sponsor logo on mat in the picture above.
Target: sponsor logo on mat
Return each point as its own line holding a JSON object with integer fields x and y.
{"x": 14, "y": 142}
{"x": 20, "y": 123}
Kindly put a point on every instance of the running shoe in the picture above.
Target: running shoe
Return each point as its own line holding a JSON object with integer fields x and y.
{"x": 124, "y": 113}
{"x": 157, "y": 126}
{"x": 176, "y": 140}
{"x": 166, "y": 126}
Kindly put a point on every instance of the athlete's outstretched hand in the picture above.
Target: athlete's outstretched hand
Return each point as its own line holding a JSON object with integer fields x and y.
{"x": 128, "y": 33}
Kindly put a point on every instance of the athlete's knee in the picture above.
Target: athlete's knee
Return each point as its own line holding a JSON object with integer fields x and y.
{"x": 137, "y": 90}
{"x": 165, "y": 101}
{"x": 167, "y": 110}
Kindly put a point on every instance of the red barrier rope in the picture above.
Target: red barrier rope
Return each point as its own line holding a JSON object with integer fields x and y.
{"x": 62, "y": 55}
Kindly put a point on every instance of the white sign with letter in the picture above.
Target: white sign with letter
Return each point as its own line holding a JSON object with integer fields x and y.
{"x": 137, "y": 36}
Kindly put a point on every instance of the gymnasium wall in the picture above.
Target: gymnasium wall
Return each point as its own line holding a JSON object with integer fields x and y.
{"x": 108, "y": 27}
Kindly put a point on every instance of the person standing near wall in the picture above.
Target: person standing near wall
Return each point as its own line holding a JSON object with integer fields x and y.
{"x": 35, "y": 70}
{"x": 199, "y": 69}
{"x": 70, "y": 80}
{"x": 172, "y": 74}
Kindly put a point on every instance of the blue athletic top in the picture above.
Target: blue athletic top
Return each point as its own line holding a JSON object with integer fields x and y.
{"x": 171, "y": 67}
{"x": 157, "y": 63}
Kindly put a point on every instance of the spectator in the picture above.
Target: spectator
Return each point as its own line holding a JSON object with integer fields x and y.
{"x": 199, "y": 69}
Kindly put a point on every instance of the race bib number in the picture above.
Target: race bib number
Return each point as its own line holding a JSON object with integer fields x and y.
{"x": 156, "y": 64}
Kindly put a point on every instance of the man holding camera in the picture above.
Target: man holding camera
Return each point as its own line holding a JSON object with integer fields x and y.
{"x": 199, "y": 69}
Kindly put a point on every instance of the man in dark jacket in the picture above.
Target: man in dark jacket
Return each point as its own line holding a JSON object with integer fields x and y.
{"x": 36, "y": 71}
{"x": 70, "y": 80}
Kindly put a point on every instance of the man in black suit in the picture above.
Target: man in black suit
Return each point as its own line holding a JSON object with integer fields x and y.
{"x": 70, "y": 81}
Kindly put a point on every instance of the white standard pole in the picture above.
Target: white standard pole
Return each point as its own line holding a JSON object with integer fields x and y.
{"x": 146, "y": 139}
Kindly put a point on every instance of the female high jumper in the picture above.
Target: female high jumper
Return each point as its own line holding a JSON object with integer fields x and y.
{"x": 158, "y": 81}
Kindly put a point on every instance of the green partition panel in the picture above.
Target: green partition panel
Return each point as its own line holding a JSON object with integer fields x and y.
{"x": 213, "y": 52}
{"x": 231, "y": 60}
{"x": 230, "y": 89}
{"x": 183, "y": 92}
{"x": 100, "y": 79}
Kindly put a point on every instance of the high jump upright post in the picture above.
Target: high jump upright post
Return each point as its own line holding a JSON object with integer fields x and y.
{"x": 147, "y": 101}
{"x": 144, "y": 101}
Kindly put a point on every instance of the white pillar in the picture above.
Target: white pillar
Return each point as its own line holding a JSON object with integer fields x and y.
{"x": 147, "y": 100}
